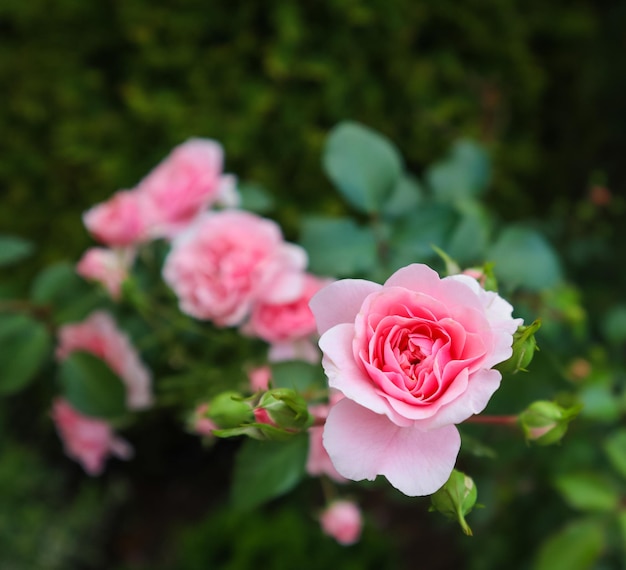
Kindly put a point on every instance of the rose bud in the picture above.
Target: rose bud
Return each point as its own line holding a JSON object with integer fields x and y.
{"x": 342, "y": 521}
{"x": 456, "y": 499}
{"x": 524, "y": 347}
{"x": 284, "y": 408}
{"x": 229, "y": 410}
{"x": 545, "y": 423}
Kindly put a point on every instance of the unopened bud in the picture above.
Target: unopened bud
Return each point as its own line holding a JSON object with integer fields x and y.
{"x": 524, "y": 347}
{"x": 456, "y": 498}
{"x": 545, "y": 423}
{"x": 229, "y": 410}
{"x": 284, "y": 408}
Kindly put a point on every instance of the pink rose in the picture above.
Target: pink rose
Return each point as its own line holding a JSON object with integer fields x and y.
{"x": 200, "y": 423}
{"x": 87, "y": 440}
{"x": 412, "y": 357}
{"x": 185, "y": 183}
{"x": 283, "y": 322}
{"x": 260, "y": 378}
{"x": 229, "y": 260}
{"x": 342, "y": 521}
{"x": 118, "y": 222}
{"x": 109, "y": 267}
{"x": 99, "y": 335}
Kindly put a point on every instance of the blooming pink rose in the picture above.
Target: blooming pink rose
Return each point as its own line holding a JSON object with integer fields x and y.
{"x": 185, "y": 183}
{"x": 229, "y": 260}
{"x": 118, "y": 222}
{"x": 342, "y": 521}
{"x": 412, "y": 357}
{"x": 109, "y": 267}
{"x": 87, "y": 440}
{"x": 99, "y": 335}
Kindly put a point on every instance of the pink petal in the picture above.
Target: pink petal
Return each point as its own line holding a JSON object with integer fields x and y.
{"x": 340, "y": 302}
{"x": 344, "y": 373}
{"x": 362, "y": 445}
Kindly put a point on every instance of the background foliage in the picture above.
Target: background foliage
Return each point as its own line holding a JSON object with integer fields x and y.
{"x": 95, "y": 94}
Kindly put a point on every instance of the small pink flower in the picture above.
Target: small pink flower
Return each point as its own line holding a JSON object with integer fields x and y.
{"x": 184, "y": 184}
{"x": 260, "y": 378}
{"x": 318, "y": 461}
{"x": 87, "y": 440}
{"x": 229, "y": 260}
{"x": 118, "y": 222}
{"x": 201, "y": 424}
{"x": 109, "y": 267}
{"x": 342, "y": 521}
{"x": 412, "y": 357}
{"x": 284, "y": 322}
{"x": 99, "y": 335}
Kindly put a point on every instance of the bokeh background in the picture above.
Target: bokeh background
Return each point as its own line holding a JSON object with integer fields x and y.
{"x": 95, "y": 93}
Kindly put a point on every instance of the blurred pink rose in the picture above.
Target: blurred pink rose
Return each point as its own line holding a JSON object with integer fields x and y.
{"x": 342, "y": 521}
{"x": 200, "y": 423}
{"x": 87, "y": 440}
{"x": 318, "y": 461}
{"x": 109, "y": 267}
{"x": 260, "y": 378}
{"x": 412, "y": 357}
{"x": 278, "y": 323}
{"x": 184, "y": 184}
{"x": 229, "y": 260}
{"x": 120, "y": 221}
{"x": 99, "y": 335}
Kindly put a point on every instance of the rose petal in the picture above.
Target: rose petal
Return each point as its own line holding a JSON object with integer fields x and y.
{"x": 340, "y": 302}
{"x": 362, "y": 445}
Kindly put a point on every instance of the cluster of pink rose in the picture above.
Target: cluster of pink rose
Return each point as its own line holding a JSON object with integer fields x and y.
{"x": 406, "y": 361}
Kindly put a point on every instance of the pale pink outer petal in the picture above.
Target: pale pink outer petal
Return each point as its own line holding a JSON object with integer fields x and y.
{"x": 362, "y": 445}
{"x": 340, "y": 302}
{"x": 343, "y": 372}
{"x": 474, "y": 400}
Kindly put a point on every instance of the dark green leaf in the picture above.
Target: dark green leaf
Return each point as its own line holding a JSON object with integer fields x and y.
{"x": 523, "y": 258}
{"x": 296, "y": 374}
{"x": 91, "y": 386}
{"x": 588, "y": 492}
{"x": 24, "y": 345}
{"x": 614, "y": 325}
{"x": 364, "y": 165}
{"x": 338, "y": 246}
{"x": 267, "y": 469}
{"x": 14, "y": 249}
{"x": 575, "y": 547}
{"x": 615, "y": 448}
{"x": 413, "y": 238}
{"x": 255, "y": 198}
{"x": 462, "y": 176}
{"x": 405, "y": 197}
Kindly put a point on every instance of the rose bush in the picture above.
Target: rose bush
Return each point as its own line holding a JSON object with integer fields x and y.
{"x": 412, "y": 357}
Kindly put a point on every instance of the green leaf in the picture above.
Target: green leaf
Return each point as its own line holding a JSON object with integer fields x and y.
{"x": 404, "y": 199}
{"x": 413, "y": 238}
{"x": 338, "y": 246}
{"x": 255, "y": 198}
{"x": 523, "y": 258}
{"x": 14, "y": 249}
{"x": 575, "y": 547}
{"x": 462, "y": 176}
{"x": 91, "y": 386}
{"x": 588, "y": 492}
{"x": 297, "y": 375}
{"x": 615, "y": 448}
{"x": 469, "y": 238}
{"x": 614, "y": 325}
{"x": 363, "y": 165}
{"x": 267, "y": 469}
{"x": 599, "y": 402}
{"x": 24, "y": 346}
{"x": 60, "y": 287}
